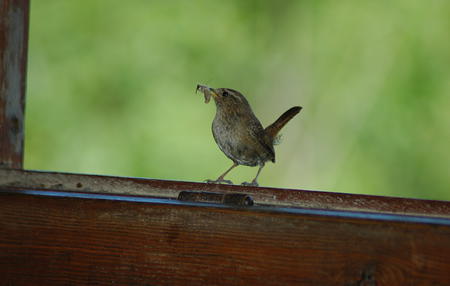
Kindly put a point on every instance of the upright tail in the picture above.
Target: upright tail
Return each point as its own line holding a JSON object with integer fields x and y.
{"x": 273, "y": 129}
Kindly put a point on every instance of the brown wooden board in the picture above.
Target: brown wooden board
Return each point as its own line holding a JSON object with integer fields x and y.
{"x": 55, "y": 238}
{"x": 261, "y": 195}
{"x": 13, "y": 62}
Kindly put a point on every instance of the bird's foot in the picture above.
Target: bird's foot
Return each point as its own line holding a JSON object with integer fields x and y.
{"x": 253, "y": 184}
{"x": 219, "y": 181}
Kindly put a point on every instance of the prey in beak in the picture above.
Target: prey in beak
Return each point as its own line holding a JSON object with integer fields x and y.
{"x": 207, "y": 92}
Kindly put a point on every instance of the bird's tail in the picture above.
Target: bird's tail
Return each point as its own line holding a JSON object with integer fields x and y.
{"x": 273, "y": 129}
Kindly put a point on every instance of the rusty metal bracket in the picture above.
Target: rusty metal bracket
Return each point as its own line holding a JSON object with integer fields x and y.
{"x": 218, "y": 198}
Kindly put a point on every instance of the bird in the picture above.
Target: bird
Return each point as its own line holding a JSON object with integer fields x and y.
{"x": 238, "y": 132}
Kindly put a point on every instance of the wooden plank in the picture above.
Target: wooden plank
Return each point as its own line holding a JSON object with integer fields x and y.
{"x": 13, "y": 61}
{"x": 113, "y": 240}
{"x": 261, "y": 195}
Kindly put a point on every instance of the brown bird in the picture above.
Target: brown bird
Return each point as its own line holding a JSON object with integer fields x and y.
{"x": 238, "y": 132}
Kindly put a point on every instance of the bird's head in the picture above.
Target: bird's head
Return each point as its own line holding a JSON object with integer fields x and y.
{"x": 224, "y": 97}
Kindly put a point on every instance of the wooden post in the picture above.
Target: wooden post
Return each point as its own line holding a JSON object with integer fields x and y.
{"x": 14, "y": 16}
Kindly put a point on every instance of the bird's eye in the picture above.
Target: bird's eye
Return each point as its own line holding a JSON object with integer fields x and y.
{"x": 225, "y": 93}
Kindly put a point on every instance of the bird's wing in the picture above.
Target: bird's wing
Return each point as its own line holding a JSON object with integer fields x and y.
{"x": 261, "y": 139}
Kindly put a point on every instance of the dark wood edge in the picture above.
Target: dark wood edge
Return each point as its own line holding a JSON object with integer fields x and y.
{"x": 24, "y": 179}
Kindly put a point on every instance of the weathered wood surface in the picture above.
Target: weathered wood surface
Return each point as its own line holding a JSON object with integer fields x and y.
{"x": 261, "y": 195}
{"x": 48, "y": 240}
{"x": 13, "y": 62}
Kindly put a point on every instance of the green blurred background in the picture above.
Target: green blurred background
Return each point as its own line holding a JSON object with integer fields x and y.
{"x": 111, "y": 90}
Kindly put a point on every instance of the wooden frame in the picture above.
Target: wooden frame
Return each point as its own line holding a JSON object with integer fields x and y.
{"x": 75, "y": 229}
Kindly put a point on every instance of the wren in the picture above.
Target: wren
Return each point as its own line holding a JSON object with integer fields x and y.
{"x": 238, "y": 132}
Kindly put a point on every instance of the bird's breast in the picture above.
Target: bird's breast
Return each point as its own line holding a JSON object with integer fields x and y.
{"x": 238, "y": 142}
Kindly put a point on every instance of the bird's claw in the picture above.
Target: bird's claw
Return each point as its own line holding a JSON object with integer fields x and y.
{"x": 219, "y": 181}
{"x": 253, "y": 184}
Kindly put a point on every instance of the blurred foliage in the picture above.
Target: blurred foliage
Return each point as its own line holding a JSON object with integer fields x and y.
{"x": 111, "y": 90}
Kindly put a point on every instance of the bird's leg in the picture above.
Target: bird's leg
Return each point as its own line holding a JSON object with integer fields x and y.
{"x": 221, "y": 178}
{"x": 254, "y": 182}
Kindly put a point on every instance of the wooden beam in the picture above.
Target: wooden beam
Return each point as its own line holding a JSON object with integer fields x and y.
{"x": 54, "y": 238}
{"x": 262, "y": 196}
{"x": 13, "y": 64}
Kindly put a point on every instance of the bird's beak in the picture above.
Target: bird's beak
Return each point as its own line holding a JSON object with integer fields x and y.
{"x": 207, "y": 91}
